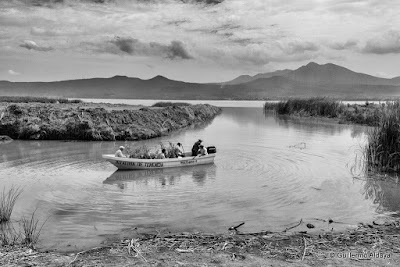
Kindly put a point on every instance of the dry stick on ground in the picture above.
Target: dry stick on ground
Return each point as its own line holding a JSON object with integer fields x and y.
{"x": 301, "y": 221}
{"x": 85, "y": 251}
{"x": 305, "y": 247}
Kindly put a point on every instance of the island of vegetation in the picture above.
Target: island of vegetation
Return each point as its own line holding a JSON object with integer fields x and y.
{"x": 63, "y": 120}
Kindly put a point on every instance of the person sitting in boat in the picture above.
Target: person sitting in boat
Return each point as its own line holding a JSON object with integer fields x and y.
{"x": 196, "y": 147}
{"x": 180, "y": 152}
{"x": 119, "y": 153}
{"x": 202, "y": 151}
{"x": 162, "y": 154}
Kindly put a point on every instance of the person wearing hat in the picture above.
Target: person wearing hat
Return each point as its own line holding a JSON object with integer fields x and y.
{"x": 119, "y": 154}
{"x": 202, "y": 151}
{"x": 196, "y": 147}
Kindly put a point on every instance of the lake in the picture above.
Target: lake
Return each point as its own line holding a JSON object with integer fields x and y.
{"x": 269, "y": 172}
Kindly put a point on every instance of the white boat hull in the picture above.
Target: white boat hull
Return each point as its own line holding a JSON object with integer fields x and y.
{"x": 145, "y": 164}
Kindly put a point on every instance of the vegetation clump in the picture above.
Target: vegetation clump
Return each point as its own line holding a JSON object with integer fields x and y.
{"x": 7, "y": 202}
{"x": 168, "y": 104}
{"x": 382, "y": 152}
{"x": 324, "y": 107}
{"x": 144, "y": 152}
{"x": 368, "y": 114}
{"x": 29, "y": 99}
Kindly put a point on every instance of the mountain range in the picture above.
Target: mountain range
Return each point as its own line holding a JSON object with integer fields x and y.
{"x": 307, "y": 81}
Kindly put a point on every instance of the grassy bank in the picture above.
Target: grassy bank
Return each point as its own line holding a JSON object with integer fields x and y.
{"x": 49, "y": 122}
{"x": 30, "y": 99}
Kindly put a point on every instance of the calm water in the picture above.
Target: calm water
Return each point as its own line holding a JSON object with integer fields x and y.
{"x": 269, "y": 172}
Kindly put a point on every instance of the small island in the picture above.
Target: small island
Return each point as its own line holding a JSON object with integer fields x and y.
{"x": 98, "y": 122}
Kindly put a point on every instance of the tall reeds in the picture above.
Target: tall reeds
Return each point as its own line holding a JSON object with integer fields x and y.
{"x": 317, "y": 106}
{"x": 382, "y": 152}
{"x": 7, "y": 202}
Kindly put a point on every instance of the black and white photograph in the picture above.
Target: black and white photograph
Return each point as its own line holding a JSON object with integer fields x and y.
{"x": 199, "y": 133}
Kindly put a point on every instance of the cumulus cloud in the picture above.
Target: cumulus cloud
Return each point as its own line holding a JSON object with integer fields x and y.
{"x": 13, "y": 73}
{"x": 31, "y": 45}
{"x": 344, "y": 45}
{"x": 389, "y": 43}
{"x": 299, "y": 47}
{"x": 131, "y": 46}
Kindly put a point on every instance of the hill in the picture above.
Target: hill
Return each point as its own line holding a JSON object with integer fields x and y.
{"x": 309, "y": 80}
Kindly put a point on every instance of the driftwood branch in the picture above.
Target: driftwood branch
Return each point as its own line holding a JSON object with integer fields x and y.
{"x": 301, "y": 221}
{"x": 235, "y": 227}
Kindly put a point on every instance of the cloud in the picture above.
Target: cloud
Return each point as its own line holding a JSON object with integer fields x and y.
{"x": 14, "y": 73}
{"x": 299, "y": 47}
{"x": 389, "y": 43}
{"x": 31, "y": 45}
{"x": 343, "y": 46}
{"x": 131, "y": 46}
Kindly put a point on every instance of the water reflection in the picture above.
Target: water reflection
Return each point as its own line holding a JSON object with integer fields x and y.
{"x": 386, "y": 194}
{"x": 162, "y": 177}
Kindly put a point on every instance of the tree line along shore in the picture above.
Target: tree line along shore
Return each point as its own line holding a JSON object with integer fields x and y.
{"x": 49, "y": 121}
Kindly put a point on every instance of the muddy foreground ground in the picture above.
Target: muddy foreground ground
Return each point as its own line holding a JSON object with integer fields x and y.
{"x": 367, "y": 245}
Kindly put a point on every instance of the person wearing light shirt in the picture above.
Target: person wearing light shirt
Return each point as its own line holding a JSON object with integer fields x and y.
{"x": 202, "y": 151}
{"x": 119, "y": 153}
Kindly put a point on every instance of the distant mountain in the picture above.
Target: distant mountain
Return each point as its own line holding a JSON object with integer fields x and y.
{"x": 333, "y": 74}
{"x": 307, "y": 81}
{"x": 248, "y": 78}
{"x": 314, "y": 73}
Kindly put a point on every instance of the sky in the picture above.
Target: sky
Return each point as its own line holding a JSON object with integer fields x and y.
{"x": 194, "y": 40}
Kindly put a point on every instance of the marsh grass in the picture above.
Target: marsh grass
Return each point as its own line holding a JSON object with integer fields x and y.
{"x": 29, "y": 99}
{"x": 368, "y": 114}
{"x": 8, "y": 235}
{"x": 7, "y": 202}
{"x": 382, "y": 152}
{"x": 167, "y": 104}
{"x": 31, "y": 229}
{"x": 317, "y": 106}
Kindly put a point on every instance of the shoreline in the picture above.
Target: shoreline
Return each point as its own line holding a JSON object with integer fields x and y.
{"x": 368, "y": 245}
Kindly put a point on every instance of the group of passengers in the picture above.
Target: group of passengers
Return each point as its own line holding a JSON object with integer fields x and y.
{"x": 177, "y": 152}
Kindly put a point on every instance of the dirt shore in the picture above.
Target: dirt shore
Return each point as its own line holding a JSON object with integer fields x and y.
{"x": 99, "y": 122}
{"x": 367, "y": 245}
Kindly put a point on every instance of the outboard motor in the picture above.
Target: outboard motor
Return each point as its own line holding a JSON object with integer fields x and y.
{"x": 211, "y": 149}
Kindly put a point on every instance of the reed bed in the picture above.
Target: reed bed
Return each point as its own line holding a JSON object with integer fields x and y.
{"x": 382, "y": 152}
{"x": 368, "y": 114}
{"x": 168, "y": 104}
{"x": 7, "y": 202}
{"x": 29, "y": 99}
{"x": 318, "y": 106}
